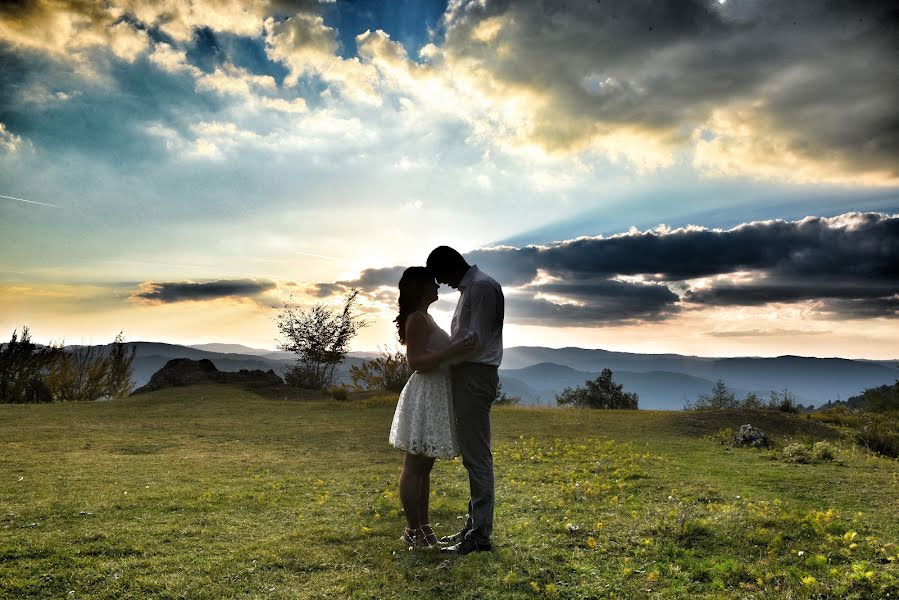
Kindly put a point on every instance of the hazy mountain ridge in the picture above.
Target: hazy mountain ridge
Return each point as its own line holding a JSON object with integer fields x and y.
{"x": 543, "y": 381}
{"x": 813, "y": 380}
{"x": 537, "y": 374}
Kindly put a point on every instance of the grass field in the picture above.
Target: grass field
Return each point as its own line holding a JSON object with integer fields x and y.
{"x": 216, "y": 492}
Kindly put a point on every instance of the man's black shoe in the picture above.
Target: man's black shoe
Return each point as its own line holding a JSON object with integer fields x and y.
{"x": 455, "y": 538}
{"x": 467, "y": 546}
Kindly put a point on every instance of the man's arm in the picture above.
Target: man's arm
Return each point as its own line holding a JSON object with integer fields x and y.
{"x": 483, "y": 311}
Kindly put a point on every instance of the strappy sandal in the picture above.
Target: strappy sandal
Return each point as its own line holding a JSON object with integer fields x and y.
{"x": 429, "y": 535}
{"x": 415, "y": 539}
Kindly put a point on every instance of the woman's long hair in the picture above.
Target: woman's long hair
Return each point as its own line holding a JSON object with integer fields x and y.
{"x": 412, "y": 287}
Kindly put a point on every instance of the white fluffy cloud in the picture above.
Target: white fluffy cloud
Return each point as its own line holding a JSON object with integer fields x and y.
{"x": 126, "y": 42}
{"x": 9, "y": 142}
{"x": 728, "y": 89}
{"x": 306, "y": 46}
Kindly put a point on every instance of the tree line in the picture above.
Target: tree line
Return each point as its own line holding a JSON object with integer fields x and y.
{"x": 33, "y": 373}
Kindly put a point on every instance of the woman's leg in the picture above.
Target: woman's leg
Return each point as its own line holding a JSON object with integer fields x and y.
{"x": 427, "y": 464}
{"x": 410, "y": 488}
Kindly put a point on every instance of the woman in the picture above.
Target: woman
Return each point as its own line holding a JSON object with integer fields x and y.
{"x": 423, "y": 424}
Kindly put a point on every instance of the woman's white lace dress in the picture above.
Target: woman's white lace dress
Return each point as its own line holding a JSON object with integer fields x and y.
{"x": 424, "y": 422}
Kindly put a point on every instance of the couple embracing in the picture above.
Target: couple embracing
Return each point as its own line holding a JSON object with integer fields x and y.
{"x": 444, "y": 409}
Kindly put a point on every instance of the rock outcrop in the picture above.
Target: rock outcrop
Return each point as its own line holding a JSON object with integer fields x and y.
{"x": 751, "y": 436}
{"x": 184, "y": 371}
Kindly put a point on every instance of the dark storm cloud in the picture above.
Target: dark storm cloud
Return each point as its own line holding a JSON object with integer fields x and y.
{"x": 820, "y": 74}
{"x": 371, "y": 279}
{"x": 181, "y": 291}
{"x": 765, "y": 292}
{"x": 839, "y": 251}
{"x": 323, "y": 290}
{"x": 865, "y": 308}
{"x": 368, "y": 281}
{"x": 604, "y": 302}
{"x": 846, "y": 265}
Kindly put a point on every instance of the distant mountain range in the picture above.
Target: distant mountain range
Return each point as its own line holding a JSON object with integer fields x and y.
{"x": 668, "y": 381}
{"x": 537, "y": 374}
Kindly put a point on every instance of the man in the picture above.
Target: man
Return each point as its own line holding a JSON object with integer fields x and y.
{"x": 480, "y": 311}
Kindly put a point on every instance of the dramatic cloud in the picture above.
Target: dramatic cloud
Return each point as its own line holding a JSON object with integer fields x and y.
{"x": 164, "y": 292}
{"x": 850, "y": 247}
{"x": 9, "y": 142}
{"x": 734, "y": 80}
{"x": 306, "y": 46}
{"x": 65, "y": 29}
{"x": 846, "y": 265}
{"x": 369, "y": 282}
{"x": 729, "y": 88}
{"x": 597, "y": 304}
{"x": 227, "y": 144}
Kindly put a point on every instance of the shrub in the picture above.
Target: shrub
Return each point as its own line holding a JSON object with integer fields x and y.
{"x": 339, "y": 393}
{"x": 320, "y": 337}
{"x": 389, "y": 371}
{"x": 118, "y": 381}
{"x": 78, "y": 374}
{"x": 720, "y": 398}
{"x": 879, "y": 432}
{"x": 784, "y": 401}
{"x": 824, "y": 451}
{"x": 302, "y": 376}
{"x": 29, "y": 373}
{"x": 22, "y": 370}
{"x": 752, "y": 402}
{"x": 725, "y": 437}
{"x": 797, "y": 453}
{"x": 601, "y": 392}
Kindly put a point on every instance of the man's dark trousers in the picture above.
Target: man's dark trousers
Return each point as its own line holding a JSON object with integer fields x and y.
{"x": 474, "y": 390}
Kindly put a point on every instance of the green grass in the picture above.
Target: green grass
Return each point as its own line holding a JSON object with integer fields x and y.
{"x": 214, "y": 492}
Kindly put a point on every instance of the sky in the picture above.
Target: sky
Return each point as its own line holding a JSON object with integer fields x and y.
{"x": 715, "y": 178}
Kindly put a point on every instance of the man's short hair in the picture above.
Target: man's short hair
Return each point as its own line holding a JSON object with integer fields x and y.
{"x": 443, "y": 259}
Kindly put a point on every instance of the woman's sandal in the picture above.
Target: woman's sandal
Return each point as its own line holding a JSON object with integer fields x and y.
{"x": 415, "y": 538}
{"x": 422, "y": 538}
{"x": 429, "y": 535}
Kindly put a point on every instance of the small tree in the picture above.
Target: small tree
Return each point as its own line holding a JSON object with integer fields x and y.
{"x": 752, "y": 402}
{"x": 784, "y": 401}
{"x": 118, "y": 382}
{"x": 320, "y": 337}
{"x": 720, "y": 398}
{"x": 504, "y": 399}
{"x": 389, "y": 371}
{"x": 601, "y": 392}
{"x": 22, "y": 365}
{"x": 77, "y": 374}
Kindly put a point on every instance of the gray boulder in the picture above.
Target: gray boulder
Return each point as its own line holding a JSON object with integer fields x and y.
{"x": 751, "y": 436}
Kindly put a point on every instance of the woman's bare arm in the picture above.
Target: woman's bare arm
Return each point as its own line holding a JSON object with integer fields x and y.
{"x": 420, "y": 359}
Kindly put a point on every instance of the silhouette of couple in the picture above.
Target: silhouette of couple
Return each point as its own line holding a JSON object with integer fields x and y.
{"x": 444, "y": 409}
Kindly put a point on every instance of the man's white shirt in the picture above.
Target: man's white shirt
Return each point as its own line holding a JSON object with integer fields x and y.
{"x": 480, "y": 310}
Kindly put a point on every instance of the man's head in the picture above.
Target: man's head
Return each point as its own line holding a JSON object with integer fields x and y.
{"x": 447, "y": 266}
